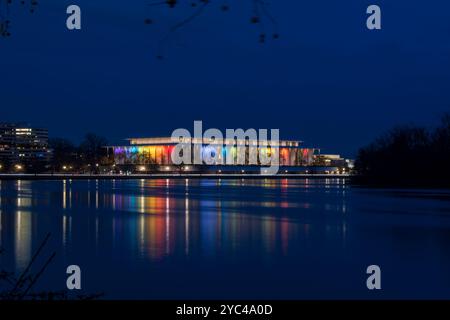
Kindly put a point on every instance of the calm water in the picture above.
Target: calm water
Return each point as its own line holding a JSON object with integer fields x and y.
{"x": 230, "y": 238}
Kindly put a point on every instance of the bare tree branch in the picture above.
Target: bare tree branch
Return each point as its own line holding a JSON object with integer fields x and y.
{"x": 260, "y": 16}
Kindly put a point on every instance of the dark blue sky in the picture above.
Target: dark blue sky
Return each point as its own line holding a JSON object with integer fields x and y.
{"x": 327, "y": 81}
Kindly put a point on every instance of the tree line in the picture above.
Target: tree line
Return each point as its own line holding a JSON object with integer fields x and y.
{"x": 407, "y": 156}
{"x": 87, "y": 156}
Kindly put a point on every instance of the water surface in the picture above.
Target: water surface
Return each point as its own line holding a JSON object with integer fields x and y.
{"x": 273, "y": 238}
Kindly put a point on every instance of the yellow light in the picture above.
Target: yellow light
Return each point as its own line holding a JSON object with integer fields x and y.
{"x": 142, "y": 168}
{"x": 64, "y": 167}
{"x": 18, "y": 167}
{"x": 167, "y": 168}
{"x": 187, "y": 168}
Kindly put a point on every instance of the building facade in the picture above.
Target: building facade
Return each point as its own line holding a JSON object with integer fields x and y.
{"x": 22, "y": 145}
{"x": 158, "y": 151}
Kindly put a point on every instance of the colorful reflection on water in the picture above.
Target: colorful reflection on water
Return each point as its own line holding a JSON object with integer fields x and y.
{"x": 175, "y": 236}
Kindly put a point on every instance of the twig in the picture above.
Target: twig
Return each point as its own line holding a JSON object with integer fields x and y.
{"x": 33, "y": 281}
{"x": 36, "y": 254}
{"x": 183, "y": 23}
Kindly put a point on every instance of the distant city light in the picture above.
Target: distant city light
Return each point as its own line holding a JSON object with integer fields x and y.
{"x": 142, "y": 168}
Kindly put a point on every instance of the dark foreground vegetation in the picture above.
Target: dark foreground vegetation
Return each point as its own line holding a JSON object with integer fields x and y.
{"x": 407, "y": 156}
{"x": 22, "y": 286}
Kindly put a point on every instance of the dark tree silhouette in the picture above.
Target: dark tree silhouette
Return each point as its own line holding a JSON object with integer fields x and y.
{"x": 408, "y": 156}
{"x": 92, "y": 149}
{"x": 64, "y": 153}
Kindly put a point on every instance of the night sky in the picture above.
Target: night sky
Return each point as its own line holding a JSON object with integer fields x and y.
{"x": 327, "y": 80}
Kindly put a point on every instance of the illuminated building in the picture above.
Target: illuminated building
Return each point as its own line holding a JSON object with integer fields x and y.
{"x": 21, "y": 145}
{"x": 148, "y": 153}
{"x": 334, "y": 162}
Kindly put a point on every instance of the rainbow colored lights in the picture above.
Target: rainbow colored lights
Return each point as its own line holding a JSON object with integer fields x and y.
{"x": 161, "y": 155}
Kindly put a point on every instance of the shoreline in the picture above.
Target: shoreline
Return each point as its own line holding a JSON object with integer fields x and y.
{"x": 63, "y": 176}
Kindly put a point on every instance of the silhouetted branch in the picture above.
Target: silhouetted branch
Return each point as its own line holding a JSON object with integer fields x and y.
{"x": 21, "y": 287}
{"x": 27, "y": 269}
{"x": 38, "y": 275}
{"x": 183, "y": 23}
{"x": 260, "y": 15}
